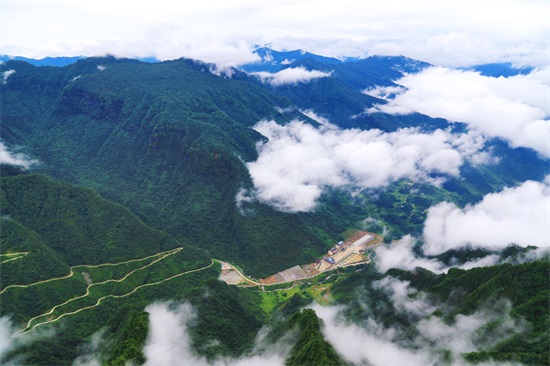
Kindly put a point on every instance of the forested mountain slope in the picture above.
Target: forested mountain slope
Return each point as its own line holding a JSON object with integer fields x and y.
{"x": 167, "y": 140}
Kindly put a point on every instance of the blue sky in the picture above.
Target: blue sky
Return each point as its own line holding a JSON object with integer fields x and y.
{"x": 449, "y": 33}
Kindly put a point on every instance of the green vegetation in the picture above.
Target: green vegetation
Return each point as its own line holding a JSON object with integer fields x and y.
{"x": 225, "y": 314}
{"x": 80, "y": 226}
{"x": 129, "y": 328}
{"x": 72, "y": 330}
{"x": 525, "y": 286}
{"x": 271, "y": 299}
{"x": 167, "y": 141}
{"x": 41, "y": 263}
{"x": 311, "y": 347}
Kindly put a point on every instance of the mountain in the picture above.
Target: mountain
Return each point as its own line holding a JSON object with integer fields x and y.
{"x": 67, "y": 219}
{"x": 273, "y": 61}
{"x": 168, "y": 141}
{"x": 340, "y": 96}
{"x": 504, "y": 69}
{"x": 46, "y": 61}
{"x": 56, "y": 227}
{"x": 113, "y": 238}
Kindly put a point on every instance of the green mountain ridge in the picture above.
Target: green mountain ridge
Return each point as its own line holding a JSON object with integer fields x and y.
{"x": 229, "y": 318}
{"x": 166, "y": 140}
{"x": 164, "y": 145}
{"x": 169, "y": 140}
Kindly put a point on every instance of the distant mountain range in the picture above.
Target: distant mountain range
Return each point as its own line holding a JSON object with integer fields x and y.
{"x": 273, "y": 61}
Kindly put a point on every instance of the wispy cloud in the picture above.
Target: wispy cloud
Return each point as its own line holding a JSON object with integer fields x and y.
{"x": 299, "y": 161}
{"x": 11, "y": 340}
{"x": 6, "y": 74}
{"x": 371, "y": 345}
{"x": 93, "y": 351}
{"x": 290, "y": 76}
{"x": 435, "y": 342}
{"x": 515, "y": 109}
{"x": 169, "y": 342}
{"x": 400, "y": 254}
{"x": 14, "y": 158}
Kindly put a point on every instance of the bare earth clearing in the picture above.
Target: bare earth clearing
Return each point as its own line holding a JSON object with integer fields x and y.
{"x": 350, "y": 253}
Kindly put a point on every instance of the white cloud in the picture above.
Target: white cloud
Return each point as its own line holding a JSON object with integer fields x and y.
{"x": 92, "y": 354}
{"x": 11, "y": 339}
{"x": 317, "y": 118}
{"x": 6, "y": 74}
{"x": 462, "y": 336}
{"x": 299, "y": 160}
{"x": 6, "y": 336}
{"x": 13, "y": 158}
{"x": 515, "y": 215}
{"x": 169, "y": 343}
{"x": 101, "y": 67}
{"x": 514, "y": 108}
{"x": 385, "y": 92}
{"x": 448, "y": 33}
{"x": 371, "y": 345}
{"x": 400, "y": 255}
{"x": 399, "y": 292}
{"x": 290, "y": 76}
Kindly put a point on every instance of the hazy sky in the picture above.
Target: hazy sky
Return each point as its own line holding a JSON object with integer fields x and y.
{"x": 450, "y": 33}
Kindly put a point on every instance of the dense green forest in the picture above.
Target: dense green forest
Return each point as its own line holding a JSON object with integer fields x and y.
{"x": 169, "y": 141}
{"x": 228, "y": 318}
{"x": 135, "y": 192}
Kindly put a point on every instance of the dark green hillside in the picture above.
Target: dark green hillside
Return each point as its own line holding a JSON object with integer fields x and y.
{"x": 49, "y": 225}
{"x": 75, "y": 222}
{"x": 227, "y": 314}
{"x": 129, "y": 328}
{"x": 39, "y": 262}
{"x": 168, "y": 141}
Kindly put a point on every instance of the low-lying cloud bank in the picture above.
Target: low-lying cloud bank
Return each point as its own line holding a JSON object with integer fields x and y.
{"x": 169, "y": 342}
{"x": 517, "y": 215}
{"x": 435, "y": 341}
{"x": 14, "y": 158}
{"x": 401, "y": 255}
{"x": 515, "y": 109}
{"x": 290, "y": 76}
{"x": 299, "y": 161}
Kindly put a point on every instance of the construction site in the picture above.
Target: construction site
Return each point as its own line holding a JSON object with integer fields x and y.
{"x": 350, "y": 252}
